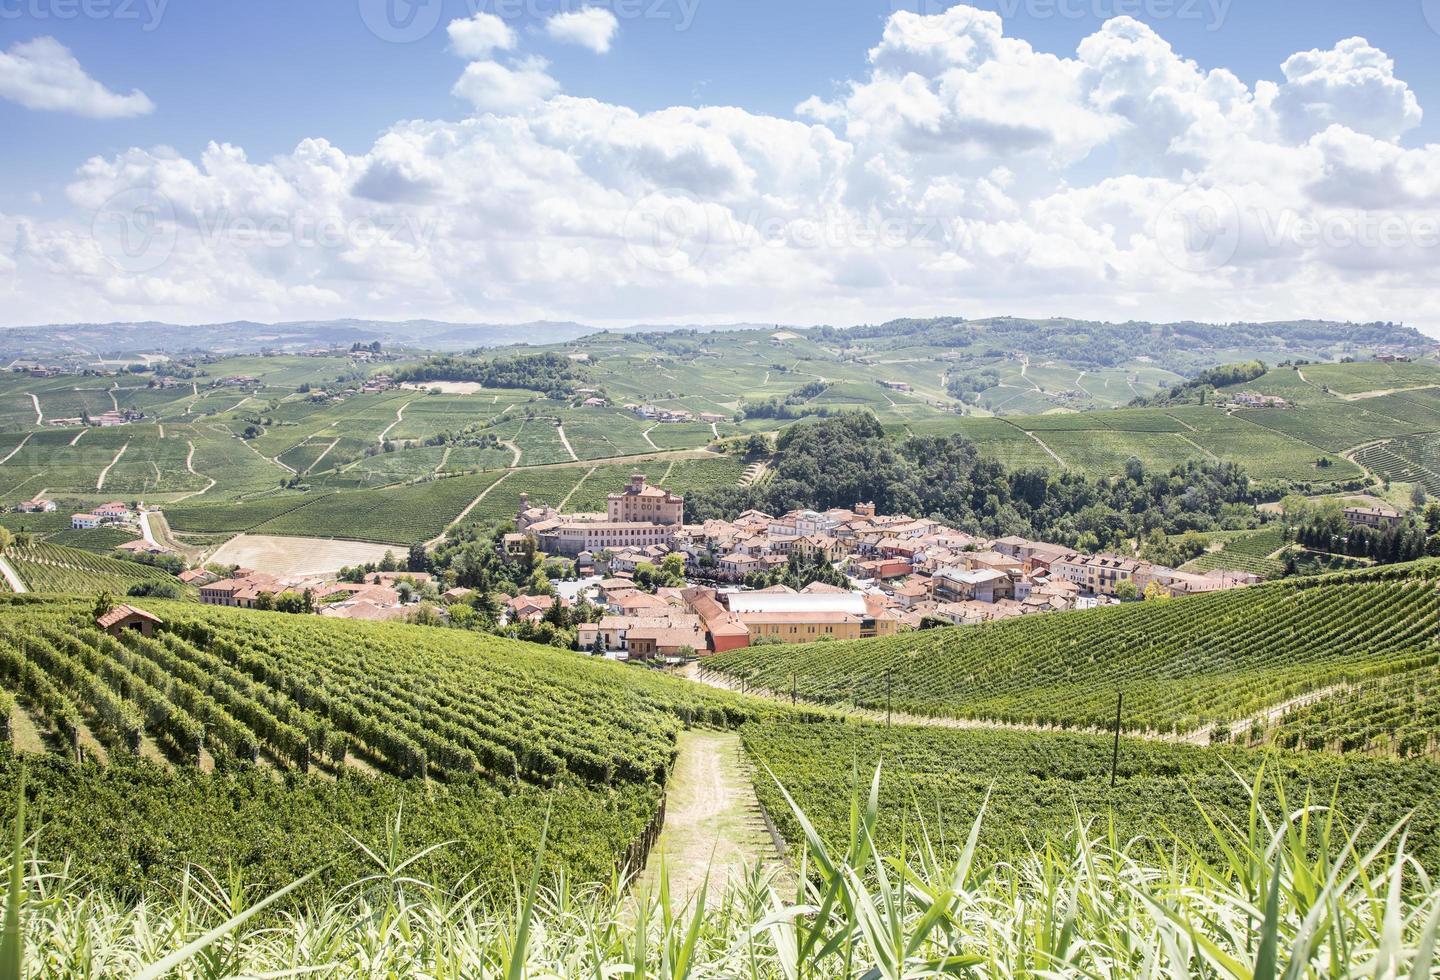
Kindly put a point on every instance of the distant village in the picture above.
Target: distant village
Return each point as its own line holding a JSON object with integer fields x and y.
{"x": 899, "y": 573}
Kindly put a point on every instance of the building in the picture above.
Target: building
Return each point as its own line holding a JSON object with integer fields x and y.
{"x": 84, "y": 522}
{"x": 114, "y": 511}
{"x": 640, "y": 516}
{"x": 1377, "y": 516}
{"x": 804, "y": 617}
{"x": 1100, "y": 574}
{"x": 37, "y": 506}
{"x": 122, "y": 618}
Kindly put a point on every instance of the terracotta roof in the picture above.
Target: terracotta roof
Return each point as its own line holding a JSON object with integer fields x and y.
{"x": 122, "y": 613}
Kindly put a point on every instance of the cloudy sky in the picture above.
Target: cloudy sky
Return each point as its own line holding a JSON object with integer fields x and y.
{"x": 718, "y": 160}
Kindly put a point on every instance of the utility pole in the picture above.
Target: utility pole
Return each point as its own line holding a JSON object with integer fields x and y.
{"x": 1115, "y": 753}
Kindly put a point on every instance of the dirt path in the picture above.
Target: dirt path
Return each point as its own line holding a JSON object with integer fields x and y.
{"x": 713, "y": 824}
{"x": 1198, "y": 736}
{"x": 514, "y": 463}
{"x": 1041, "y": 443}
{"x": 11, "y": 577}
{"x": 1381, "y": 392}
{"x": 100, "y": 483}
{"x": 39, "y": 415}
{"x": 560, "y": 431}
{"x": 17, "y": 449}
{"x": 328, "y": 449}
{"x": 399, "y": 417}
{"x": 190, "y": 468}
{"x": 588, "y": 474}
{"x": 646, "y": 436}
{"x": 466, "y": 512}
{"x": 1201, "y": 735}
{"x": 114, "y": 403}
{"x": 78, "y": 436}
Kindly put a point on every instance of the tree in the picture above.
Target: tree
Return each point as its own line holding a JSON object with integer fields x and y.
{"x": 418, "y": 560}
{"x": 1126, "y": 591}
{"x": 1417, "y": 495}
{"x": 387, "y": 562}
{"x": 104, "y": 602}
{"x": 597, "y": 649}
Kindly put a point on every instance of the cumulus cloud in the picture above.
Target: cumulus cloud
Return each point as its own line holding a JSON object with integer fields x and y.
{"x": 43, "y": 74}
{"x": 493, "y": 87}
{"x": 480, "y": 36}
{"x": 963, "y": 171}
{"x": 589, "y": 27}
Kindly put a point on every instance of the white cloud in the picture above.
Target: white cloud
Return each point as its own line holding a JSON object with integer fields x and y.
{"x": 589, "y": 27}
{"x": 492, "y": 87}
{"x": 480, "y": 36}
{"x": 43, "y": 74}
{"x": 963, "y": 172}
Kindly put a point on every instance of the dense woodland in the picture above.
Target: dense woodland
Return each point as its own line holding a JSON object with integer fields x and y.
{"x": 554, "y": 374}
{"x": 839, "y": 462}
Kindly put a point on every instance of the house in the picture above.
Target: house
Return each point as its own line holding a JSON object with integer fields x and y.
{"x": 712, "y": 418}
{"x": 1377, "y": 516}
{"x": 897, "y": 386}
{"x": 122, "y": 618}
{"x": 113, "y": 511}
{"x": 1253, "y": 399}
{"x": 198, "y": 577}
{"x": 982, "y": 584}
{"x": 84, "y": 522}
{"x": 142, "y": 547}
{"x": 37, "y": 506}
{"x": 594, "y": 402}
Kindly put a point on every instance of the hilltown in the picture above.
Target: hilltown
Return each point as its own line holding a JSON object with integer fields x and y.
{"x": 899, "y": 572}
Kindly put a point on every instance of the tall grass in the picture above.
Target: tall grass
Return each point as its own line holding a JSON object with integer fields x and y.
{"x": 1292, "y": 897}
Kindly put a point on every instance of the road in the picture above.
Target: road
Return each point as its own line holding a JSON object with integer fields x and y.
{"x": 14, "y": 580}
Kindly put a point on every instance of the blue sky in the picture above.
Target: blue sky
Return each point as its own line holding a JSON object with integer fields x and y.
{"x": 263, "y": 75}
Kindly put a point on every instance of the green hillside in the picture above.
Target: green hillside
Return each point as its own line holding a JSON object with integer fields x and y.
{"x": 1180, "y": 663}
{"x": 208, "y": 731}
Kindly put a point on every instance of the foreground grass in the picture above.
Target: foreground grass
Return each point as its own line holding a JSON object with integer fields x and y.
{"x": 1291, "y": 898}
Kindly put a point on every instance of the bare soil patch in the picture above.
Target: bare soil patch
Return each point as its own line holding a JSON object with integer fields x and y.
{"x": 296, "y": 556}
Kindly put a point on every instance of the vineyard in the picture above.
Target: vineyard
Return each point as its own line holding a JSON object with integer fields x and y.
{"x": 395, "y": 515}
{"x": 1412, "y": 459}
{"x": 47, "y": 567}
{"x": 475, "y": 737}
{"x": 1245, "y": 553}
{"x": 295, "y": 692}
{"x": 1397, "y": 715}
{"x": 1180, "y": 663}
{"x": 1036, "y": 785}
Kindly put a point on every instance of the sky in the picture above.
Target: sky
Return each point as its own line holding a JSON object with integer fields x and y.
{"x": 621, "y": 161}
